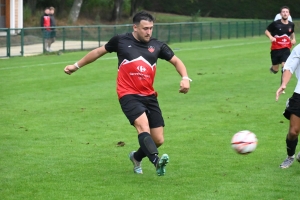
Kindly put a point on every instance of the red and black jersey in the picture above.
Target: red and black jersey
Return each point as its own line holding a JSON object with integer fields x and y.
{"x": 137, "y": 63}
{"x": 46, "y": 22}
{"x": 282, "y": 33}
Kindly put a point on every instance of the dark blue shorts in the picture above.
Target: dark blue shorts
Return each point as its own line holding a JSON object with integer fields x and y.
{"x": 47, "y": 34}
{"x": 134, "y": 106}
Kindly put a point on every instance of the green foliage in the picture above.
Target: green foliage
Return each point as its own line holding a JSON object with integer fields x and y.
{"x": 195, "y": 16}
{"x": 26, "y": 13}
{"x": 59, "y": 132}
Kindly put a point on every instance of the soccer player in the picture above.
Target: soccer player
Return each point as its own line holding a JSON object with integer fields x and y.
{"x": 292, "y": 111}
{"x": 137, "y": 55}
{"x": 282, "y": 36}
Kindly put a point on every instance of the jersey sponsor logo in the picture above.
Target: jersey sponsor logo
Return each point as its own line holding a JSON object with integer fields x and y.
{"x": 141, "y": 68}
{"x": 151, "y": 49}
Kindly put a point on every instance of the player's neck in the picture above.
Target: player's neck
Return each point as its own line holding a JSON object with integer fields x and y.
{"x": 135, "y": 36}
{"x": 285, "y": 21}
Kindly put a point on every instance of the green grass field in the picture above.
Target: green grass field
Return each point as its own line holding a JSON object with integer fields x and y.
{"x": 58, "y": 133}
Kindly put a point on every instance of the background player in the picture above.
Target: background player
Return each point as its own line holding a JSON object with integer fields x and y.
{"x": 282, "y": 36}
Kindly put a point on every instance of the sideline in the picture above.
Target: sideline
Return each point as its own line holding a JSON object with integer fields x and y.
{"x": 174, "y": 49}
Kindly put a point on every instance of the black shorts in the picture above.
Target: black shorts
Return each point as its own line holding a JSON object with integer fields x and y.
{"x": 134, "y": 106}
{"x": 292, "y": 106}
{"x": 280, "y": 55}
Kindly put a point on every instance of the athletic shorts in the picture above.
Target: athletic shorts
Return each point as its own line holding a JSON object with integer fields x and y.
{"x": 53, "y": 34}
{"x": 292, "y": 106}
{"x": 134, "y": 106}
{"x": 47, "y": 34}
{"x": 280, "y": 55}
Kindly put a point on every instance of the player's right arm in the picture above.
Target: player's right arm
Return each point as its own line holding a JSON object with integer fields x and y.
{"x": 268, "y": 34}
{"x": 286, "y": 77}
{"x": 88, "y": 58}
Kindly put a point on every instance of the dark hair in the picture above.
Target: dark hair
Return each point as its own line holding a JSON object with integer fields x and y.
{"x": 284, "y": 7}
{"x": 143, "y": 15}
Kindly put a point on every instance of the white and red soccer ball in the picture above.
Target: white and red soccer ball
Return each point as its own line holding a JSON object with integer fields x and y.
{"x": 244, "y": 142}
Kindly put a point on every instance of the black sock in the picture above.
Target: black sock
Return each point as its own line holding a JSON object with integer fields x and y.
{"x": 291, "y": 146}
{"x": 148, "y": 147}
{"x": 139, "y": 155}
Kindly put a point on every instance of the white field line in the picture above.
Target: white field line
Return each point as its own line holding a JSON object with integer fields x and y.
{"x": 175, "y": 49}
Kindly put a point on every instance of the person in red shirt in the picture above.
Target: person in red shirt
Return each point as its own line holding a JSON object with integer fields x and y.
{"x": 282, "y": 37}
{"x": 137, "y": 55}
{"x": 46, "y": 24}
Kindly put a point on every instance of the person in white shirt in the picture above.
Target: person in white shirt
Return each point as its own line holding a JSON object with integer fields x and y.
{"x": 292, "y": 110}
{"x": 278, "y": 16}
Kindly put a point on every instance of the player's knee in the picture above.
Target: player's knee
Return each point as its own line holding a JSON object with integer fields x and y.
{"x": 293, "y": 132}
{"x": 159, "y": 141}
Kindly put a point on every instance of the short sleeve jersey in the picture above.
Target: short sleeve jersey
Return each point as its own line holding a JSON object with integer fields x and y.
{"x": 293, "y": 65}
{"x": 282, "y": 33}
{"x": 137, "y": 63}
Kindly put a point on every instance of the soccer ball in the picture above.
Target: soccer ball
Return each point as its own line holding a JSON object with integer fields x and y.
{"x": 244, "y": 142}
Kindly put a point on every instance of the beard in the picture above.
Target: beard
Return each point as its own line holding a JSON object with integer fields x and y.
{"x": 284, "y": 18}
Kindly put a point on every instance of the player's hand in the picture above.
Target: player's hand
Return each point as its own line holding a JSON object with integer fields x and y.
{"x": 279, "y": 91}
{"x": 70, "y": 69}
{"x": 272, "y": 39}
{"x": 184, "y": 86}
{"x": 293, "y": 41}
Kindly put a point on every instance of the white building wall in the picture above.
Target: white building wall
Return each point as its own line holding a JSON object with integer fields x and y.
{"x": 20, "y": 14}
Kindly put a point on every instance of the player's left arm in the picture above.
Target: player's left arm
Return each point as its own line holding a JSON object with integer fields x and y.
{"x": 293, "y": 38}
{"x": 181, "y": 69}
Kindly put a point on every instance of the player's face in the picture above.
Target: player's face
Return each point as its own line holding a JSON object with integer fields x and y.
{"x": 143, "y": 31}
{"x": 285, "y": 13}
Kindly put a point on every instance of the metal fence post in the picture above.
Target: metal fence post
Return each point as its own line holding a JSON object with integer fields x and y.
{"x": 210, "y": 31}
{"x": 220, "y": 30}
{"x": 245, "y": 29}
{"x": 8, "y": 42}
{"x": 201, "y": 32}
{"x": 237, "y": 29}
{"x": 22, "y": 42}
{"x": 81, "y": 37}
{"x": 99, "y": 37}
{"x": 169, "y": 32}
{"x": 191, "y": 32}
{"x": 180, "y": 32}
{"x": 63, "y": 38}
{"x": 259, "y": 27}
{"x": 228, "y": 30}
{"x": 252, "y": 28}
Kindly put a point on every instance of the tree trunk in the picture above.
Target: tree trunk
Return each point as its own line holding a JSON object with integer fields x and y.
{"x": 32, "y": 5}
{"x": 134, "y": 6}
{"x": 117, "y": 10}
{"x": 75, "y": 10}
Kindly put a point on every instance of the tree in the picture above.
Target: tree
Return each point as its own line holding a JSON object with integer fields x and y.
{"x": 75, "y": 10}
{"x": 135, "y": 4}
{"x": 31, "y": 5}
{"x": 117, "y": 10}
